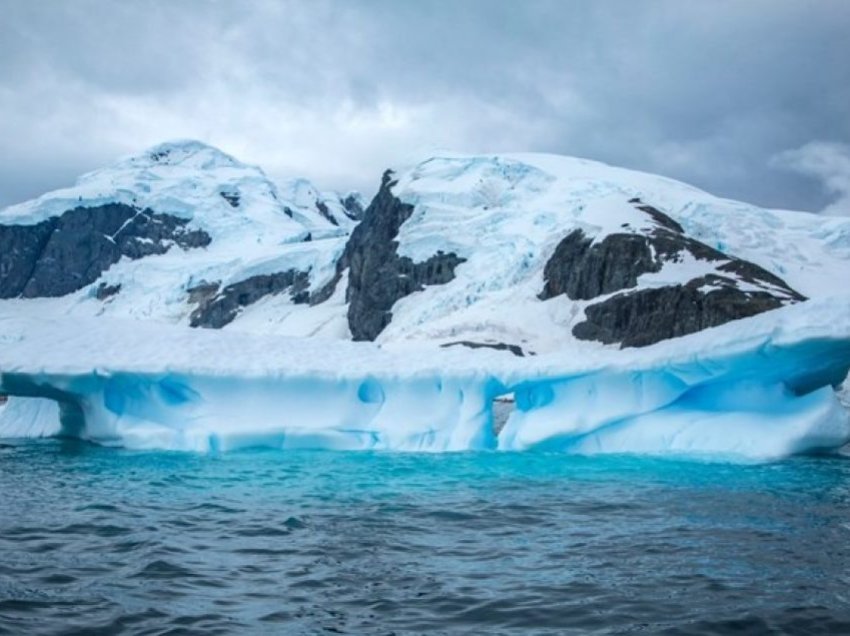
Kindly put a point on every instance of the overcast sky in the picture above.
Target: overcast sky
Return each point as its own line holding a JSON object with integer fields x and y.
{"x": 747, "y": 99}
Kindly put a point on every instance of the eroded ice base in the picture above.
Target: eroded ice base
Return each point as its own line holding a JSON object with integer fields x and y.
{"x": 29, "y": 417}
{"x": 758, "y": 389}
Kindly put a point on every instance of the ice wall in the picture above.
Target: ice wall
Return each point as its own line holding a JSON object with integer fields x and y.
{"x": 204, "y": 413}
{"x": 29, "y": 417}
{"x": 844, "y": 393}
{"x": 762, "y": 388}
{"x": 758, "y": 405}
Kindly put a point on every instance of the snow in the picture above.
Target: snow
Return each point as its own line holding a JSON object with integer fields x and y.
{"x": 187, "y": 179}
{"x": 287, "y": 375}
{"x": 757, "y": 389}
{"x": 505, "y": 214}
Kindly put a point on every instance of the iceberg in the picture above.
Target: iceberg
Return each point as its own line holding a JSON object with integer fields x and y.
{"x": 759, "y": 389}
{"x": 29, "y": 417}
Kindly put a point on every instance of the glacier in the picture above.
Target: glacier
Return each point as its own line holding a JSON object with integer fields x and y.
{"x": 759, "y": 389}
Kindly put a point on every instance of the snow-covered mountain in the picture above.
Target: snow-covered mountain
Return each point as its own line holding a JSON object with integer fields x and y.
{"x": 529, "y": 253}
{"x": 157, "y": 234}
{"x": 541, "y": 252}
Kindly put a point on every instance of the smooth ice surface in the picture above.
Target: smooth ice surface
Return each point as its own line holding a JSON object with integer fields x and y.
{"x": 29, "y": 417}
{"x": 760, "y": 388}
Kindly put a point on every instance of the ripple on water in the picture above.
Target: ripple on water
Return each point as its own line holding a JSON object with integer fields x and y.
{"x": 104, "y": 541}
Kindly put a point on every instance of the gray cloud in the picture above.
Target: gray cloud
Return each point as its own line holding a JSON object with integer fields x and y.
{"x": 337, "y": 91}
{"x": 828, "y": 162}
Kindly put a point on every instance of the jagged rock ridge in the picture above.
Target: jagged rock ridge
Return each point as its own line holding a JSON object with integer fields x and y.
{"x": 378, "y": 276}
{"x": 219, "y": 309}
{"x": 583, "y": 270}
{"x": 63, "y": 254}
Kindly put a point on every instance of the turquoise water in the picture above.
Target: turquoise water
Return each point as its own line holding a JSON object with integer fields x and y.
{"x": 104, "y": 541}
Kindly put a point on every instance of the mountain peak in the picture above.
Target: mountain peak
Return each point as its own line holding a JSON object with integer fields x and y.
{"x": 188, "y": 153}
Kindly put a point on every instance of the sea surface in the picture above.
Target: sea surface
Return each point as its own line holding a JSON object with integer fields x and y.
{"x": 105, "y": 541}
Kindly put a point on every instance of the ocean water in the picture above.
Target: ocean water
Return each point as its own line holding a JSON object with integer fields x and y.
{"x": 105, "y": 541}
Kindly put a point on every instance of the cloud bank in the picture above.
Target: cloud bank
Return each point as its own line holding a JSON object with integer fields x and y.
{"x": 337, "y": 91}
{"x": 827, "y": 162}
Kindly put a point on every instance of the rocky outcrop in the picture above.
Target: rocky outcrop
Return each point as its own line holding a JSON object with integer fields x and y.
{"x": 353, "y": 206}
{"x": 498, "y": 346}
{"x": 232, "y": 197}
{"x": 378, "y": 276}
{"x": 323, "y": 209}
{"x": 65, "y": 253}
{"x": 583, "y": 270}
{"x": 647, "y": 316}
{"x": 218, "y": 309}
{"x": 105, "y": 291}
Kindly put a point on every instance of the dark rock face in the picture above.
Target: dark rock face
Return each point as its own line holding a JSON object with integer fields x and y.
{"x": 353, "y": 208}
{"x": 498, "y": 346}
{"x": 218, "y": 309}
{"x": 21, "y": 246}
{"x": 326, "y": 213}
{"x": 203, "y": 291}
{"x": 378, "y": 276}
{"x": 105, "y": 291}
{"x": 232, "y": 198}
{"x": 584, "y": 270}
{"x": 63, "y": 254}
{"x": 644, "y": 317}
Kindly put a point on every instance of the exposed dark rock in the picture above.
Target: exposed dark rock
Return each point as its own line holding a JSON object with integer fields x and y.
{"x": 203, "y": 291}
{"x": 644, "y": 317}
{"x": 584, "y": 270}
{"x": 658, "y": 216}
{"x": 326, "y": 213}
{"x": 217, "y": 310}
{"x": 21, "y": 247}
{"x": 63, "y": 254}
{"x": 378, "y": 276}
{"x": 232, "y": 198}
{"x": 352, "y": 206}
{"x": 105, "y": 291}
{"x": 498, "y": 346}
{"x": 160, "y": 155}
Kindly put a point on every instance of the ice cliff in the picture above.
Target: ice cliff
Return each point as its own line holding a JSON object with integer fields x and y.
{"x": 758, "y": 389}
